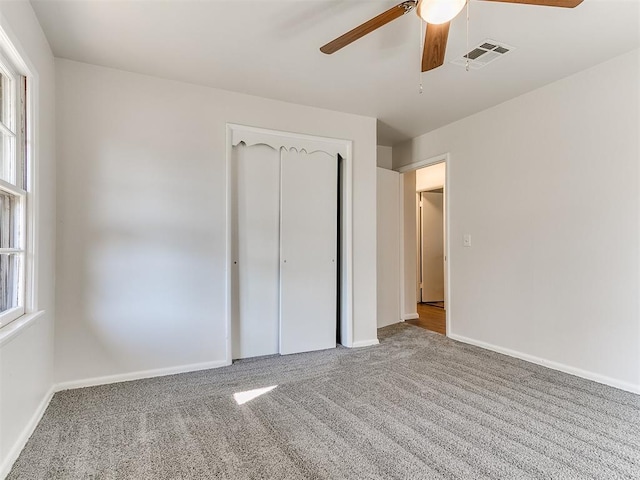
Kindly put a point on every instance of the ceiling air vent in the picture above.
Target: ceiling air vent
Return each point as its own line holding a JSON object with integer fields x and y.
{"x": 482, "y": 55}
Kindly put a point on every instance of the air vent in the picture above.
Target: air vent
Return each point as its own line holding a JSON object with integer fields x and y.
{"x": 482, "y": 55}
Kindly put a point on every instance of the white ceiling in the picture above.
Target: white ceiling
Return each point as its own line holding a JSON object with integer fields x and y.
{"x": 270, "y": 48}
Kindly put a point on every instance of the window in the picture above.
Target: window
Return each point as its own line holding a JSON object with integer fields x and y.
{"x": 13, "y": 192}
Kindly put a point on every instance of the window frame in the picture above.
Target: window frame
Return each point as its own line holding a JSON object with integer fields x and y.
{"x": 19, "y": 127}
{"x": 16, "y": 312}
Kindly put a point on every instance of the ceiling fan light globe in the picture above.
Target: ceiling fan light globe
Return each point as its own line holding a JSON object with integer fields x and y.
{"x": 436, "y": 12}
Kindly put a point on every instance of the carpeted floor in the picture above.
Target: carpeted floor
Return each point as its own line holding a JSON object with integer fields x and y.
{"x": 418, "y": 406}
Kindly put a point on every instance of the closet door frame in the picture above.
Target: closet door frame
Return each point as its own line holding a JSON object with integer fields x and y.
{"x": 310, "y": 143}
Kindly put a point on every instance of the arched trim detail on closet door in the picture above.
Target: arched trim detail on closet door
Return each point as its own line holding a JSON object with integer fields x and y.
{"x": 251, "y": 136}
{"x": 288, "y": 149}
{"x": 242, "y": 142}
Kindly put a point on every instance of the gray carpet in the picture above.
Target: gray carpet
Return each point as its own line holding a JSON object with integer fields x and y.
{"x": 419, "y": 406}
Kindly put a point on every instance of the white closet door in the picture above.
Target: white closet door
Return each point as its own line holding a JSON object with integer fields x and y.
{"x": 255, "y": 243}
{"x": 308, "y": 255}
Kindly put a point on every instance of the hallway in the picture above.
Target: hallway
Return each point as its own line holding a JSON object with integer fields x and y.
{"x": 431, "y": 318}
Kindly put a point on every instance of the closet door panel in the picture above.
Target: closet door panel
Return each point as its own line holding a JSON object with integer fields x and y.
{"x": 256, "y": 245}
{"x": 308, "y": 256}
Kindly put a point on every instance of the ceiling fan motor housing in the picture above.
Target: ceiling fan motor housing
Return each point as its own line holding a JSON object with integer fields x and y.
{"x": 437, "y": 12}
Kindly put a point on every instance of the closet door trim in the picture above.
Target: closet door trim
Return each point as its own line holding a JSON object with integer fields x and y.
{"x": 255, "y": 136}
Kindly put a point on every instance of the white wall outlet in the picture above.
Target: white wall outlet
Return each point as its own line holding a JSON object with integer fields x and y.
{"x": 466, "y": 240}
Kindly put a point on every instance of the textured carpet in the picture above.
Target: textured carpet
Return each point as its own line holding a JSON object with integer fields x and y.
{"x": 418, "y": 406}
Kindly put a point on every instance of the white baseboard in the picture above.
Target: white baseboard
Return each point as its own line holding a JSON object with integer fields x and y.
{"x": 596, "y": 377}
{"x": 365, "y": 343}
{"x": 14, "y": 451}
{"x": 126, "y": 377}
{"x": 410, "y": 316}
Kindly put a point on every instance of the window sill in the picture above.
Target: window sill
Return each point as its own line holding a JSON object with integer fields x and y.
{"x": 19, "y": 325}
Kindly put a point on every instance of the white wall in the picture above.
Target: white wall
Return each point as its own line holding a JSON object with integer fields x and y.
{"x": 385, "y": 157}
{"x": 26, "y": 357}
{"x": 409, "y": 260}
{"x": 548, "y": 186}
{"x": 141, "y": 243}
{"x": 431, "y": 177}
{"x": 388, "y": 261}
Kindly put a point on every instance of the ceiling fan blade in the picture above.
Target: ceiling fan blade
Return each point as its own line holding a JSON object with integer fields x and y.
{"x": 544, "y": 3}
{"x": 435, "y": 46}
{"x": 368, "y": 27}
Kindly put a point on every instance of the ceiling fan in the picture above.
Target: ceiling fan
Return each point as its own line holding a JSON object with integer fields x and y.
{"x": 438, "y": 15}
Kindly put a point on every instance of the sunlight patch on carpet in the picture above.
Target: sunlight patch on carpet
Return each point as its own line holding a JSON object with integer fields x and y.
{"x": 243, "y": 397}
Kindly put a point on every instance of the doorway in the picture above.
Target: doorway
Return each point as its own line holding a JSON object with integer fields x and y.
{"x": 425, "y": 244}
{"x": 430, "y": 242}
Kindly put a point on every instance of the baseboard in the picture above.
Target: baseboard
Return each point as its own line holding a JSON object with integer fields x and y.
{"x": 28, "y": 430}
{"x": 410, "y": 316}
{"x": 612, "y": 382}
{"x": 395, "y": 322}
{"x": 365, "y": 343}
{"x": 127, "y": 377}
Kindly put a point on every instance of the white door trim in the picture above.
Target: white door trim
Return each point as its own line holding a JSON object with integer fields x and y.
{"x": 279, "y": 139}
{"x": 446, "y": 159}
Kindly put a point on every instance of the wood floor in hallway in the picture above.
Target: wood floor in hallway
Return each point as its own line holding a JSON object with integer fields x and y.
{"x": 432, "y": 318}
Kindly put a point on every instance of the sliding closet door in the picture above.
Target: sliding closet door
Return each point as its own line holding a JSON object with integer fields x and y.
{"x": 308, "y": 255}
{"x": 255, "y": 250}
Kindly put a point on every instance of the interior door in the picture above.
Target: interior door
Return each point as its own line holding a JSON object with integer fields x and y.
{"x": 255, "y": 251}
{"x": 308, "y": 251}
{"x": 432, "y": 245}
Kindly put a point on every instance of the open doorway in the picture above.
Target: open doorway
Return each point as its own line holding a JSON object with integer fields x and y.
{"x": 428, "y": 186}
